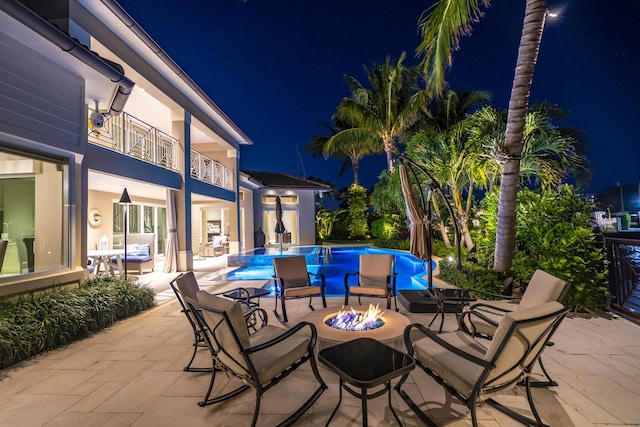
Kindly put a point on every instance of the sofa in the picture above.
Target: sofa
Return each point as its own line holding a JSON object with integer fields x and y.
{"x": 140, "y": 252}
{"x": 212, "y": 248}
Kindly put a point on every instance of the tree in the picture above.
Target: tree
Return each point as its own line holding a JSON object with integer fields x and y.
{"x": 549, "y": 156}
{"x": 353, "y": 148}
{"x": 385, "y": 112}
{"x": 441, "y": 27}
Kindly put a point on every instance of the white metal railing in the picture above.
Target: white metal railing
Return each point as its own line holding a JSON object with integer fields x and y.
{"x": 208, "y": 170}
{"x": 131, "y": 136}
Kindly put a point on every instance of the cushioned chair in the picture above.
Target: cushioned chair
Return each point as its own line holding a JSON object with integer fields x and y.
{"x": 260, "y": 360}
{"x": 482, "y": 317}
{"x": 293, "y": 280}
{"x": 473, "y": 372}
{"x": 376, "y": 278}
{"x": 212, "y": 248}
{"x": 186, "y": 286}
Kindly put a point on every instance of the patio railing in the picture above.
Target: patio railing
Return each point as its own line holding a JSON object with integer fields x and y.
{"x": 624, "y": 275}
{"x": 208, "y": 170}
{"x": 131, "y": 136}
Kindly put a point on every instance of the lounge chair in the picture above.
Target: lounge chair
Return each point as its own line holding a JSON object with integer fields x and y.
{"x": 293, "y": 280}
{"x": 472, "y": 372}
{"x": 260, "y": 360}
{"x": 482, "y": 317}
{"x": 376, "y": 278}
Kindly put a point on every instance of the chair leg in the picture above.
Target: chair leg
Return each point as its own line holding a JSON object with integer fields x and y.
{"x": 198, "y": 343}
{"x": 284, "y": 309}
{"x": 256, "y": 411}
{"x": 549, "y": 383}
{"x": 346, "y": 298}
{"x": 411, "y": 404}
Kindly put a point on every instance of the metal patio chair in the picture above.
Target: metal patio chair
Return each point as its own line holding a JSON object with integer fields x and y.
{"x": 482, "y": 317}
{"x": 376, "y": 278}
{"x": 474, "y": 373}
{"x": 259, "y": 361}
{"x": 293, "y": 280}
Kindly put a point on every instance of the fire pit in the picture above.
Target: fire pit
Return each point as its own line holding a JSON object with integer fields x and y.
{"x": 387, "y": 328}
{"x": 352, "y": 320}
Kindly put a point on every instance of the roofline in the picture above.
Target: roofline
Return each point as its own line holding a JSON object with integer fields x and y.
{"x": 130, "y": 23}
{"x": 64, "y": 41}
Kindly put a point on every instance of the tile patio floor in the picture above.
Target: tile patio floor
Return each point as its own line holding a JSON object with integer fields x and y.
{"x": 131, "y": 375}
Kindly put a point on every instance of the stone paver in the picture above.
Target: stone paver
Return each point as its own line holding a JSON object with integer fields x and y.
{"x": 131, "y": 375}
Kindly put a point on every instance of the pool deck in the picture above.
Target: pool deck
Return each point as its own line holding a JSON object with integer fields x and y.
{"x": 131, "y": 375}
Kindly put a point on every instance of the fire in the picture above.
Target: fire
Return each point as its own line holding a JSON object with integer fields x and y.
{"x": 357, "y": 320}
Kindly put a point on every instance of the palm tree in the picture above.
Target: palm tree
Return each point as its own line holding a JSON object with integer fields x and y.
{"x": 550, "y": 154}
{"x": 352, "y": 147}
{"x": 441, "y": 27}
{"x": 386, "y": 111}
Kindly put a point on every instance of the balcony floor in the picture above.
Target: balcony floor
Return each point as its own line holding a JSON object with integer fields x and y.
{"x": 131, "y": 375}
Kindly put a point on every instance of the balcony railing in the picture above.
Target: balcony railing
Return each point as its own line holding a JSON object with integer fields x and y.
{"x": 208, "y": 170}
{"x": 133, "y": 137}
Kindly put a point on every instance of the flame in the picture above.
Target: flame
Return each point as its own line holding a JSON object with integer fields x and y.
{"x": 353, "y": 320}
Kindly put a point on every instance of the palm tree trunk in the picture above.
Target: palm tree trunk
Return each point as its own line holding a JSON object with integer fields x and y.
{"x": 389, "y": 147}
{"x": 534, "y": 18}
{"x": 355, "y": 165}
{"x": 464, "y": 219}
{"x": 441, "y": 226}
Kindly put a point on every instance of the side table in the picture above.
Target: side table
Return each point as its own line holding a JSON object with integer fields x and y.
{"x": 365, "y": 363}
{"x": 455, "y": 297}
{"x": 247, "y": 294}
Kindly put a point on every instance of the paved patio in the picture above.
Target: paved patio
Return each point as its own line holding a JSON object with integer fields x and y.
{"x": 131, "y": 375}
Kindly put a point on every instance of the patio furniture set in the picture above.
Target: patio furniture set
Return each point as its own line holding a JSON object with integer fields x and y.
{"x": 494, "y": 349}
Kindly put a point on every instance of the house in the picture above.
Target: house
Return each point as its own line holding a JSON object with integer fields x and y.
{"x": 298, "y": 197}
{"x": 92, "y": 106}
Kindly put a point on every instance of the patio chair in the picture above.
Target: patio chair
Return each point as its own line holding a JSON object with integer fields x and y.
{"x": 185, "y": 285}
{"x": 472, "y": 372}
{"x": 376, "y": 278}
{"x": 293, "y": 280}
{"x": 259, "y": 361}
{"x": 482, "y": 317}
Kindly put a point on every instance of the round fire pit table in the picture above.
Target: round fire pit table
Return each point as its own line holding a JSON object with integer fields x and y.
{"x": 390, "y": 333}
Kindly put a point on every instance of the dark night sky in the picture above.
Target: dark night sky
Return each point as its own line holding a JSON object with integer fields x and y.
{"x": 276, "y": 68}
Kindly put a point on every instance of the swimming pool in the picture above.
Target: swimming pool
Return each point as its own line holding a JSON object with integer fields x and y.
{"x": 332, "y": 261}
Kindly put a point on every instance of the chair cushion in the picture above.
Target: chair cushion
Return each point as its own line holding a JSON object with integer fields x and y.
{"x": 234, "y": 312}
{"x": 302, "y": 291}
{"x": 188, "y": 285}
{"x": 456, "y": 371}
{"x": 143, "y": 250}
{"x": 542, "y": 288}
{"x": 363, "y": 290}
{"x": 375, "y": 270}
{"x": 271, "y": 361}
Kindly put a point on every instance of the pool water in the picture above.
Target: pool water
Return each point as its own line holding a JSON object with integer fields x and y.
{"x": 332, "y": 261}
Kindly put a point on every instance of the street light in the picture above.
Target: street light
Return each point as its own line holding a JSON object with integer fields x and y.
{"x": 126, "y": 201}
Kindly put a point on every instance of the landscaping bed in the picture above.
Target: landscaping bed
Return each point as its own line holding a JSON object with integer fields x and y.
{"x": 42, "y": 321}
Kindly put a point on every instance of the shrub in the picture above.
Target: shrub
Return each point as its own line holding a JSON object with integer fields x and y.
{"x": 472, "y": 276}
{"x": 357, "y": 212}
{"x": 625, "y": 221}
{"x": 44, "y": 321}
{"x": 386, "y": 227}
{"x": 553, "y": 234}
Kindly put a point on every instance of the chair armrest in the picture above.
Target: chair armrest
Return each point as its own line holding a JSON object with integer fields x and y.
{"x": 479, "y": 305}
{"x": 250, "y": 317}
{"x": 477, "y": 313}
{"x": 442, "y": 343}
{"x": 286, "y": 334}
{"x": 346, "y": 278}
{"x": 494, "y": 295}
{"x": 322, "y": 279}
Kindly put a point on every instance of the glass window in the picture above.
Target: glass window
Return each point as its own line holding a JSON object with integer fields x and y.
{"x": 148, "y": 219}
{"x": 285, "y": 200}
{"x": 33, "y": 213}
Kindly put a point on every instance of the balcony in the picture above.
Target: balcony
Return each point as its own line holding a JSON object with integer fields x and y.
{"x": 208, "y": 170}
{"x": 131, "y": 136}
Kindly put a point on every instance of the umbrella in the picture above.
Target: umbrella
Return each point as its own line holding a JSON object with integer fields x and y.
{"x": 420, "y": 224}
{"x": 171, "y": 249}
{"x": 279, "y": 224}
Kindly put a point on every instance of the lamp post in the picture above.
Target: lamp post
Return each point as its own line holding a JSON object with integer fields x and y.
{"x": 126, "y": 201}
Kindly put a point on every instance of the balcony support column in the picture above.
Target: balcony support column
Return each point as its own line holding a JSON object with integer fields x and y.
{"x": 180, "y": 129}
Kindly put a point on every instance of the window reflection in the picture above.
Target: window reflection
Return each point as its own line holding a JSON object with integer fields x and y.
{"x": 33, "y": 225}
